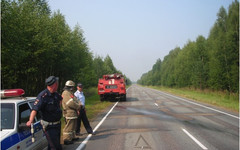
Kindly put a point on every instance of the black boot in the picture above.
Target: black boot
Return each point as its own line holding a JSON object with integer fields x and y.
{"x": 66, "y": 142}
{"x": 75, "y": 139}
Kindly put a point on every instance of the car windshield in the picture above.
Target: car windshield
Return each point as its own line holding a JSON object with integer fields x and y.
{"x": 7, "y": 116}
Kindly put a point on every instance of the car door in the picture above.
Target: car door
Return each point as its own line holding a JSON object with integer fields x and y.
{"x": 24, "y": 132}
{"x": 40, "y": 138}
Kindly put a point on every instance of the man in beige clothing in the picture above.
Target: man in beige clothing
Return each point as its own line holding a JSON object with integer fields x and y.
{"x": 71, "y": 107}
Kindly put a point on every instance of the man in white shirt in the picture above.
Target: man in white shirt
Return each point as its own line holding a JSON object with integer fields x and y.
{"x": 82, "y": 116}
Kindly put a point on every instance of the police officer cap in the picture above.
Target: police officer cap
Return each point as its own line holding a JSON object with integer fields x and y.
{"x": 70, "y": 83}
{"x": 51, "y": 80}
{"x": 80, "y": 85}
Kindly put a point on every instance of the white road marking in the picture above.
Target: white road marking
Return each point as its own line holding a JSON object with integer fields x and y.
{"x": 194, "y": 139}
{"x": 199, "y": 104}
{"x": 83, "y": 144}
{"x": 156, "y": 104}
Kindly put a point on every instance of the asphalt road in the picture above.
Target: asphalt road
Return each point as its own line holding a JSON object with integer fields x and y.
{"x": 154, "y": 120}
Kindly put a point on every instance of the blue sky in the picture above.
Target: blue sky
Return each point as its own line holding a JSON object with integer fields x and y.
{"x": 135, "y": 33}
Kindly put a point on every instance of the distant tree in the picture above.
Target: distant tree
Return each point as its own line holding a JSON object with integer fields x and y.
{"x": 168, "y": 68}
{"x": 217, "y": 44}
{"x": 98, "y": 66}
{"x": 108, "y": 65}
{"x": 232, "y": 37}
{"x": 184, "y": 67}
{"x": 199, "y": 61}
{"x": 223, "y": 50}
{"x": 82, "y": 59}
{"x": 156, "y": 73}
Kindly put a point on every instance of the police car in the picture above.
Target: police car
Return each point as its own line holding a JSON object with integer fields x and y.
{"x": 15, "y": 112}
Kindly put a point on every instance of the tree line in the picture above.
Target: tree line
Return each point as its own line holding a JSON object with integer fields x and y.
{"x": 37, "y": 43}
{"x": 207, "y": 63}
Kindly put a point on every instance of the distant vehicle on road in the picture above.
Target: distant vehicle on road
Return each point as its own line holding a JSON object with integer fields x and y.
{"x": 112, "y": 86}
{"x": 15, "y": 112}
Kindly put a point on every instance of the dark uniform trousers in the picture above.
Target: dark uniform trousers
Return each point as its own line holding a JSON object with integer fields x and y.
{"x": 54, "y": 133}
{"x": 83, "y": 117}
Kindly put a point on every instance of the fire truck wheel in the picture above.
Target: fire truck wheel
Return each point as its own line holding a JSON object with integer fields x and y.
{"x": 101, "y": 98}
{"x": 123, "y": 98}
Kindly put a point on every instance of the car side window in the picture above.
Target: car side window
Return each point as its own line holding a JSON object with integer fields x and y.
{"x": 24, "y": 114}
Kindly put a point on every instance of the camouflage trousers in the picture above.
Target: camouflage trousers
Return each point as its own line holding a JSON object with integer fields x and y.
{"x": 69, "y": 131}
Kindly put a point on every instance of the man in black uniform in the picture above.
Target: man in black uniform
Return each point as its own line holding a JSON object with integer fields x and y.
{"x": 48, "y": 102}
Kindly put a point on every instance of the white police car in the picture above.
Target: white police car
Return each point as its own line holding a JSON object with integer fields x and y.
{"x": 15, "y": 112}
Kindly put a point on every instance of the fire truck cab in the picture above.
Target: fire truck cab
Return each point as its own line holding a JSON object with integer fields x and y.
{"x": 112, "y": 86}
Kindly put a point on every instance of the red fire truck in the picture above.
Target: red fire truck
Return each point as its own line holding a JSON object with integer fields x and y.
{"x": 112, "y": 86}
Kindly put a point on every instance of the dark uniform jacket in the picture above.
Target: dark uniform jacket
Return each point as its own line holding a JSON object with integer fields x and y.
{"x": 48, "y": 104}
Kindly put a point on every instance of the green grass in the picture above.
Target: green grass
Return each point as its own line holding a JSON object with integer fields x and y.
{"x": 93, "y": 103}
{"x": 229, "y": 101}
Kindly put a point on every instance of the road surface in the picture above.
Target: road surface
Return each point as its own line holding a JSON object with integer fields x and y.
{"x": 154, "y": 120}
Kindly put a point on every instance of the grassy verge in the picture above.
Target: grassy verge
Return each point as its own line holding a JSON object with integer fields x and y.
{"x": 229, "y": 101}
{"x": 93, "y": 103}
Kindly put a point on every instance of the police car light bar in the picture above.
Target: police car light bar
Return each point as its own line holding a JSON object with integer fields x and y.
{"x": 12, "y": 93}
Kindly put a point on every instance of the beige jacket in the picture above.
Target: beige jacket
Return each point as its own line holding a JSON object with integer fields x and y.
{"x": 70, "y": 105}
